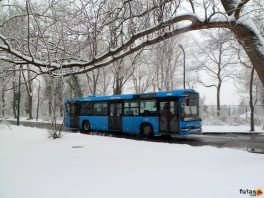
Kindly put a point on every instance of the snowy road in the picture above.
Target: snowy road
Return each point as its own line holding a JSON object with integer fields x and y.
{"x": 244, "y": 142}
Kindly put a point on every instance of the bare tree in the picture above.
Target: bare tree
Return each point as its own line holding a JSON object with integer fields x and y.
{"x": 105, "y": 81}
{"x": 141, "y": 75}
{"x": 215, "y": 59}
{"x": 249, "y": 84}
{"x": 121, "y": 74}
{"x": 166, "y": 63}
{"x": 92, "y": 80}
{"x": 229, "y": 14}
{"x": 75, "y": 87}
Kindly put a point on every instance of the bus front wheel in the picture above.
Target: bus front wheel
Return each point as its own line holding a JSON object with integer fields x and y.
{"x": 147, "y": 131}
{"x": 86, "y": 126}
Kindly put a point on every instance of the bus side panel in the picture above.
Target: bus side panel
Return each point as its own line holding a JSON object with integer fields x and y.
{"x": 131, "y": 124}
{"x": 96, "y": 122}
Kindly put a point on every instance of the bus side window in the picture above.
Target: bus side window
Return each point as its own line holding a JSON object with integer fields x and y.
{"x": 148, "y": 107}
{"x": 86, "y": 108}
{"x": 100, "y": 108}
{"x": 131, "y": 108}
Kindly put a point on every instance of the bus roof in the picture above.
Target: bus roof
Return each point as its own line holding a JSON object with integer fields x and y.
{"x": 179, "y": 92}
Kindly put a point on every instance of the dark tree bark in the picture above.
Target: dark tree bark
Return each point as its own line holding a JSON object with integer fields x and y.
{"x": 251, "y": 103}
{"x": 218, "y": 98}
{"x": 29, "y": 103}
{"x": 3, "y": 98}
{"x": 75, "y": 85}
{"x": 14, "y": 106}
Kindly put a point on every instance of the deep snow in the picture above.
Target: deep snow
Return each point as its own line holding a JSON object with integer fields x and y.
{"x": 76, "y": 165}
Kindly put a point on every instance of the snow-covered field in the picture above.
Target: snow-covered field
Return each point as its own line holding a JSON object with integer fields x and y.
{"x": 75, "y": 166}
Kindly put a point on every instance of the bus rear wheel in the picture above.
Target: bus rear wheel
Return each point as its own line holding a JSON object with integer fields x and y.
{"x": 86, "y": 126}
{"x": 147, "y": 131}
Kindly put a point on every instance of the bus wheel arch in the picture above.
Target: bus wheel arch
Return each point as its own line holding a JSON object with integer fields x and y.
{"x": 86, "y": 127}
{"x": 146, "y": 130}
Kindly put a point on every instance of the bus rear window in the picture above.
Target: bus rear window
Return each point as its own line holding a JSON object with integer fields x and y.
{"x": 71, "y": 107}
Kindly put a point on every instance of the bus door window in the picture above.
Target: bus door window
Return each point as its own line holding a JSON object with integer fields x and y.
{"x": 112, "y": 110}
{"x": 115, "y": 109}
{"x": 174, "y": 108}
{"x": 164, "y": 115}
{"x": 118, "y": 109}
{"x": 115, "y": 118}
{"x": 173, "y": 116}
{"x": 72, "y": 109}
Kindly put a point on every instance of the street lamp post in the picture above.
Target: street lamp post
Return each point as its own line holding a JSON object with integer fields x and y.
{"x": 180, "y": 46}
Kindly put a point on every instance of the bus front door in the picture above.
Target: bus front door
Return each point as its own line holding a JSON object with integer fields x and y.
{"x": 115, "y": 117}
{"x": 169, "y": 117}
{"x": 74, "y": 121}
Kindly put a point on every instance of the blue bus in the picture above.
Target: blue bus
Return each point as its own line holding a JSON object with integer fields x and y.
{"x": 167, "y": 113}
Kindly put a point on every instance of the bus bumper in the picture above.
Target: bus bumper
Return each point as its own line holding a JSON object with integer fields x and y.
{"x": 191, "y": 131}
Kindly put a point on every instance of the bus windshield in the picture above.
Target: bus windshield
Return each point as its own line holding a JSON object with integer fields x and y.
{"x": 190, "y": 107}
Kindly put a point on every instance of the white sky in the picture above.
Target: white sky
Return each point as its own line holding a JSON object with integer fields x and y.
{"x": 228, "y": 96}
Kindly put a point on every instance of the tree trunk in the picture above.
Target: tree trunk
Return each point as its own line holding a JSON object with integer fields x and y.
{"x": 30, "y": 102}
{"x": 3, "y": 103}
{"x": 37, "y": 116}
{"x": 49, "y": 95}
{"x": 14, "y": 97}
{"x": 28, "y": 84}
{"x": 251, "y": 104}
{"x": 76, "y": 86}
{"x": 117, "y": 87}
{"x": 218, "y": 98}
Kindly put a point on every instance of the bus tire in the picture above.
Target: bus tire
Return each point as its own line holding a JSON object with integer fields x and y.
{"x": 86, "y": 127}
{"x": 147, "y": 131}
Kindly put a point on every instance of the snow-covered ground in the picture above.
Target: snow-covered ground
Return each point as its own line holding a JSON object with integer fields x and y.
{"x": 76, "y": 165}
